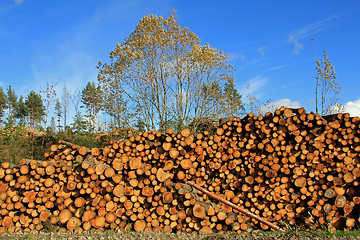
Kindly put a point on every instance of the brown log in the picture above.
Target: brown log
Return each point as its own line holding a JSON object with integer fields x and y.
{"x": 167, "y": 146}
{"x": 174, "y": 153}
{"x": 236, "y": 207}
{"x": 135, "y": 163}
{"x": 185, "y": 132}
{"x": 73, "y": 223}
{"x": 65, "y": 215}
{"x": 199, "y": 211}
{"x": 161, "y": 175}
{"x": 98, "y": 222}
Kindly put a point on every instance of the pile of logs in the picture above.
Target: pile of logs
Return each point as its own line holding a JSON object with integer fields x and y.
{"x": 289, "y": 167}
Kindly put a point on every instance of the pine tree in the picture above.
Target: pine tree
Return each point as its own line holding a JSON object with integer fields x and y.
{"x": 21, "y": 111}
{"x": 79, "y": 125}
{"x": 35, "y": 108}
{"x": 92, "y": 100}
{"x": 3, "y": 106}
{"x": 232, "y": 99}
{"x": 11, "y": 104}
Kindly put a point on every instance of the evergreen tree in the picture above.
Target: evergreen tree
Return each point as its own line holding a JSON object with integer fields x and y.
{"x": 35, "y": 108}
{"x": 3, "y": 106}
{"x": 232, "y": 99}
{"x": 79, "y": 124}
{"x": 11, "y": 104}
{"x": 92, "y": 100}
{"x": 21, "y": 111}
{"x": 140, "y": 126}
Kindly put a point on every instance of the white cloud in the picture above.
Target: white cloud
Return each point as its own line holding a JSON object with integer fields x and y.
{"x": 307, "y": 32}
{"x": 353, "y": 108}
{"x": 272, "y": 106}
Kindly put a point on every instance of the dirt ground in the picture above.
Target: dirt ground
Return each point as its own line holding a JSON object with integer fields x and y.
{"x": 160, "y": 236}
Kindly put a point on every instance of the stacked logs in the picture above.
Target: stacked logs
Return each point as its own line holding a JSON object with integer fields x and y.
{"x": 288, "y": 167}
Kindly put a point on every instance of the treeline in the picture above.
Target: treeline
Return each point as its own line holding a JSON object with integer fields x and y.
{"x": 19, "y": 118}
{"x": 28, "y": 111}
{"x": 34, "y": 110}
{"x": 30, "y": 125}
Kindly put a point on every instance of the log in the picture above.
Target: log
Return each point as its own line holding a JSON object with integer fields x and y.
{"x": 236, "y": 207}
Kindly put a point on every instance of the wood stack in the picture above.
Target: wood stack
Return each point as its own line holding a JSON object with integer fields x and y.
{"x": 288, "y": 167}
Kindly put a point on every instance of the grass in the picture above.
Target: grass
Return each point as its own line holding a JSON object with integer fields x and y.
{"x": 110, "y": 234}
{"x": 352, "y": 233}
{"x": 316, "y": 233}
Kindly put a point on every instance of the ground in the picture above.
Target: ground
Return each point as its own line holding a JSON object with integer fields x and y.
{"x": 168, "y": 236}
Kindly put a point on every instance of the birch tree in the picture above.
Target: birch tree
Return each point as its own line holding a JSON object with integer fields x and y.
{"x": 164, "y": 75}
{"x": 65, "y": 104}
{"x": 327, "y": 89}
{"x": 59, "y": 113}
{"x": 48, "y": 96}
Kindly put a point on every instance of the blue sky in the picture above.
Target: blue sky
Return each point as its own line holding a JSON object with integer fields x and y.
{"x": 269, "y": 42}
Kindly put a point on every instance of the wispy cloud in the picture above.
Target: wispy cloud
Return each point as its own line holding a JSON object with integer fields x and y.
{"x": 254, "y": 85}
{"x": 297, "y": 46}
{"x": 235, "y": 57}
{"x": 307, "y": 31}
{"x": 71, "y": 69}
{"x": 276, "y": 67}
{"x": 286, "y": 65}
{"x": 261, "y": 50}
{"x": 18, "y": 1}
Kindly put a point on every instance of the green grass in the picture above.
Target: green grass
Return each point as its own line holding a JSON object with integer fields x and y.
{"x": 352, "y": 233}
{"x": 316, "y": 233}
